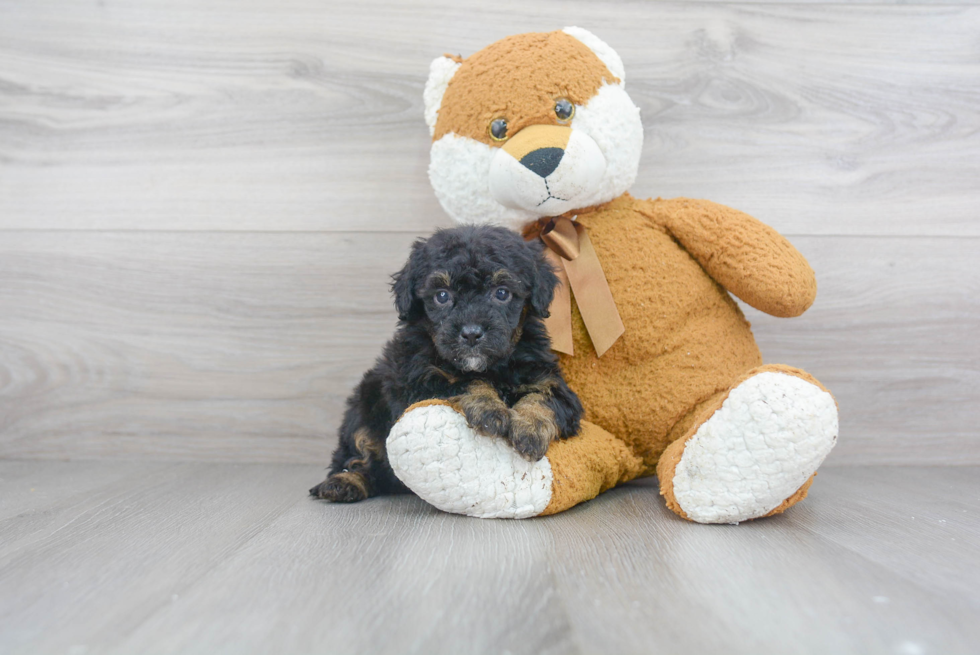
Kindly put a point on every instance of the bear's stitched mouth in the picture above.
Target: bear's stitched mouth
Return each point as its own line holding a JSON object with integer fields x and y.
{"x": 550, "y": 197}
{"x": 552, "y": 188}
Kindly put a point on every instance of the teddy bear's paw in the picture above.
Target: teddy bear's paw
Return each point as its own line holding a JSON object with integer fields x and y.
{"x": 764, "y": 442}
{"x": 442, "y": 459}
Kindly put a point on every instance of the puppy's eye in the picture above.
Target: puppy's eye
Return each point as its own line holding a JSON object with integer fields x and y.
{"x": 442, "y": 297}
{"x": 498, "y": 129}
{"x": 564, "y": 109}
{"x": 502, "y": 294}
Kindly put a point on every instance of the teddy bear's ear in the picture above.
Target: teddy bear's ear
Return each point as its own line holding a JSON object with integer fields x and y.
{"x": 441, "y": 70}
{"x": 606, "y": 55}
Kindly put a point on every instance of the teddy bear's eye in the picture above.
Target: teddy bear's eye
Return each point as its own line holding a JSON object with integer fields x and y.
{"x": 498, "y": 129}
{"x": 564, "y": 109}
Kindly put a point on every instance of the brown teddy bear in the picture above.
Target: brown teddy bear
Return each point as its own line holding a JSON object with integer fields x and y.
{"x": 536, "y": 132}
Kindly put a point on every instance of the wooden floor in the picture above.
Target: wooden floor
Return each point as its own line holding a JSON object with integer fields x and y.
{"x": 139, "y": 557}
{"x": 201, "y": 203}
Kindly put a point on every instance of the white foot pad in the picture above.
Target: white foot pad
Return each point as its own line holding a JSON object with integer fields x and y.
{"x": 766, "y": 440}
{"x": 439, "y": 457}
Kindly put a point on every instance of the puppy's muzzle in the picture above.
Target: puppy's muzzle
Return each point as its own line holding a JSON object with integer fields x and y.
{"x": 545, "y": 169}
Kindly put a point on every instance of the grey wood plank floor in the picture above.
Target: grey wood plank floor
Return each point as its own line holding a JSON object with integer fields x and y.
{"x": 144, "y": 557}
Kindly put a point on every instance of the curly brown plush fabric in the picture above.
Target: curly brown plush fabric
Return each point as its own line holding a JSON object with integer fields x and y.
{"x": 519, "y": 79}
{"x": 663, "y": 260}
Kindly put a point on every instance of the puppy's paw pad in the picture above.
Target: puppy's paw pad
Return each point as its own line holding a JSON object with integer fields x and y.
{"x": 341, "y": 488}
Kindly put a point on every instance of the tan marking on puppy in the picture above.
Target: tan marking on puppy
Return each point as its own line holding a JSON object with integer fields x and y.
{"x": 438, "y": 279}
{"x": 532, "y": 426}
{"x": 484, "y": 410}
{"x": 503, "y": 276}
{"x": 351, "y": 478}
{"x": 366, "y": 444}
{"x": 435, "y": 370}
{"x": 520, "y": 327}
{"x": 482, "y": 388}
{"x": 542, "y": 387}
{"x": 367, "y": 447}
{"x": 519, "y": 78}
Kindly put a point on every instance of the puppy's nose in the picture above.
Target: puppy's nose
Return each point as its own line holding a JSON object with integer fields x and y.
{"x": 543, "y": 161}
{"x": 472, "y": 333}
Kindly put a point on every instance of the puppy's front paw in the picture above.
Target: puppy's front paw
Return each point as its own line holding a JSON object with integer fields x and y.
{"x": 484, "y": 410}
{"x": 532, "y": 429}
{"x": 490, "y": 420}
{"x": 345, "y": 487}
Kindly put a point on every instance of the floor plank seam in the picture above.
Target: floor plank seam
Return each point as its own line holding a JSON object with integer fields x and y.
{"x": 218, "y": 562}
{"x": 28, "y": 548}
{"x": 871, "y": 563}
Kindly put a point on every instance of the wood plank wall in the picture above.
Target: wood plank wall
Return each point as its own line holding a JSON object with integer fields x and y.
{"x": 201, "y": 203}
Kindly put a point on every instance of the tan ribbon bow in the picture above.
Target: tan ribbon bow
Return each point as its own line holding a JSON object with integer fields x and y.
{"x": 580, "y": 272}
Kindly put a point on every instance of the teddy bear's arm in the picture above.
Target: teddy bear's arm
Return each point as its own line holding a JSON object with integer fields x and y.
{"x": 744, "y": 255}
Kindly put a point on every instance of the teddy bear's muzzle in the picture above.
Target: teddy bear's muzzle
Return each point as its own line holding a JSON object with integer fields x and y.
{"x": 546, "y": 169}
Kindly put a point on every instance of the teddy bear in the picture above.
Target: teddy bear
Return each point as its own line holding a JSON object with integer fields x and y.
{"x": 537, "y": 133}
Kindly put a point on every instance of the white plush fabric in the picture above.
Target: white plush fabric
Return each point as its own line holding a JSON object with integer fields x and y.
{"x": 612, "y": 120}
{"x": 766, "y": 440}
{"x": 606, "y": 130}
{"x": 439, "y": 457}
{"x": 441, "y": 71}
{"x": 602, "y": 50}
{"x": 459, "y": 170}
{"x": 576, "y": 178}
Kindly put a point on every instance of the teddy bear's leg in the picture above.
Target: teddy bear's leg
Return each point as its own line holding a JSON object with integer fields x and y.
{"x": 752, "y": 450}
{"x": 438, "y": 456}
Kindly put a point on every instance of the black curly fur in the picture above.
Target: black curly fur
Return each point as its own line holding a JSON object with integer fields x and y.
{"x": 507, "y": 381}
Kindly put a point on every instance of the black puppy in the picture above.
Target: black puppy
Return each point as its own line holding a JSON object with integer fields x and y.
{"x": 470, "y": 302}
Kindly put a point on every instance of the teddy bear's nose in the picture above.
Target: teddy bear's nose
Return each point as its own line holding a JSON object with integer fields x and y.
{"x": 543, "y": 161}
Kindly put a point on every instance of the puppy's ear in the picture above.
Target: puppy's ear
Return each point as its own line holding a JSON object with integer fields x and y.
{"x": 404, "y": 282}
{"x": 545, "y": 280}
